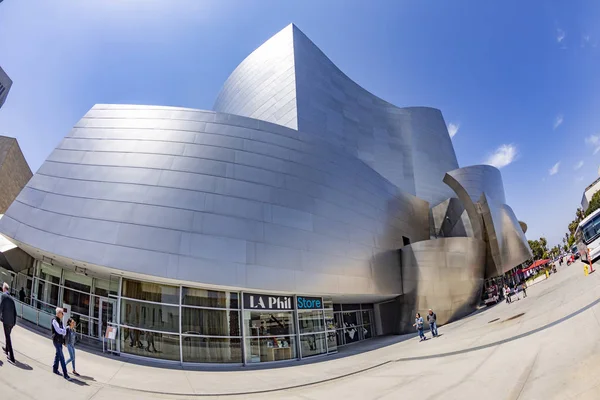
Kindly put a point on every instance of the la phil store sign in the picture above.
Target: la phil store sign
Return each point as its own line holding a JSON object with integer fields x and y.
{"x": 269, "y": 302}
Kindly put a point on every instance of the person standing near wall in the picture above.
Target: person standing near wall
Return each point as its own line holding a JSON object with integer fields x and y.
{"x": 432, "y": 320}
{"x": 8, "y": 316}
{"x": 419, "y": 324}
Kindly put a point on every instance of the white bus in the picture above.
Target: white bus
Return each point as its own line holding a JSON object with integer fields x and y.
{"x": 587, "y": 236}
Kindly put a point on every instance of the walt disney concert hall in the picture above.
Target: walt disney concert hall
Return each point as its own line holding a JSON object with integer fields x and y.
{"x": 301, "y": 214}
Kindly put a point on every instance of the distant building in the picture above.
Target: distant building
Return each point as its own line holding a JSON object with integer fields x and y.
{"x": 589, "y": 192}
{"x": 5, "y": 84}
{"x": 14, "y": 171}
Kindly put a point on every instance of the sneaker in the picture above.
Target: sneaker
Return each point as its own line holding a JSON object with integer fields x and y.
{"x": 67, "y": 377}
{"x": 75, "y": 373}
{"x": 56, "y": 372}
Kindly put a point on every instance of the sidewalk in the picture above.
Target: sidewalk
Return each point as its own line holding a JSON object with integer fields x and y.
{"x": 563, "y": 297}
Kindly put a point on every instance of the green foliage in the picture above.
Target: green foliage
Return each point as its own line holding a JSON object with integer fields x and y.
{"x": 539, "y": 248}
{"x": 594, "y": 204}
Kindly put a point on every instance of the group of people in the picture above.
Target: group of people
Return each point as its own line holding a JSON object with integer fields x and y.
{"x": 61, "y": 335}
{"x": 420, "y": 323}
{"x": 521, "y": 287}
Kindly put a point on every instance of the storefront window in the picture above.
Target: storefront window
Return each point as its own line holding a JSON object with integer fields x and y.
{"x": 313, "y": 344}
{"x": 79, "y": 302}
{"x": 158, "y": 317}
{"x": 311, "y": 321}
{"x": 209, "y": 298}
{"x": 50, "y": 273}
{"x": 47, "y": 295}
{"x": 270, "y": 349}
{"x": 366, "y": 317}
{"x": 78, "y": 282}
{"x": 269, "y": 323}
{"x": 198, "y": 321}
{"x": 150, "y": 344}
{"x": 211, "y": 350}
{"x": 150, "y": 292}
{"x": 332, "y": 342}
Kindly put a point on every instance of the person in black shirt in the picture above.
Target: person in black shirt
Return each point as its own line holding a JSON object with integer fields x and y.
{"x": 8, "y": 316}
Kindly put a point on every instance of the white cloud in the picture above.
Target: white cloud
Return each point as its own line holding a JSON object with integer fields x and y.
{"x": 453, "y": 129}
{"x": 554, "y": 169}
{"x": 594, "y": 141}
{"x": 504, "y": 155}
{"x": 580, "y": 179}
{"x": 578, "y": 165}
{"x": 558, "y": 121}
{"x": 560, "y": 35}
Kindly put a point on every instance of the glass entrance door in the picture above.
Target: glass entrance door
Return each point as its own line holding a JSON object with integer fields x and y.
{"x": 108, "y": 315}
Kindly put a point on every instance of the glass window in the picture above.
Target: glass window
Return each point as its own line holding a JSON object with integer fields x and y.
{"x": 311, "y": 321}
{"x": 366, "y": 331}
{"x": 209, "y": 298}
{"x": 150, "y": 344}
{"x": 48, "y": 293}
{"x": 329, "y": 320}
{"x": 265, "y": 323}
{"x": 351, "y": 334}
{"x": 150, "y": 291}
{"x": 158, "y": 317}
{"x": 366, "y": 317}
{"x": 332, "y": 342}
{"x": 49, "y": 273}
{"x": 591, "y": 229}
{"x": 79, "y": 302}
{"x": 270, "y": 349}
{"x": 350, "y": 319}
{"x": 313, "y": 344}
{"x": 78, "y": 282}
{"x": 211, "y": 350}
{"x": 199, "y": 321}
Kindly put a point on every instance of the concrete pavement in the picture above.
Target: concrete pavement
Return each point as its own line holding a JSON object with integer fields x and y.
{"x": 543, "y": 347}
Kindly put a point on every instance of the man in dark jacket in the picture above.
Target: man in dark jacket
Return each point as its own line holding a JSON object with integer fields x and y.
{"x": 8, "y": 316}
{"x": 432, "y": 319}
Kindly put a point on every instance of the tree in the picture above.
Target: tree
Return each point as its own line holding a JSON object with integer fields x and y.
{"x": 538, "y": 248}
{"x": 594, "y": 204}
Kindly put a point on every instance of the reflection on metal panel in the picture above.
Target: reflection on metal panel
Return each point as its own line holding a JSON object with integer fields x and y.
{"x": 445, "y": 275}
{"x": 481, "y": 191}
{"x": 263, "y": 209}
{"x": 288, "y": 80}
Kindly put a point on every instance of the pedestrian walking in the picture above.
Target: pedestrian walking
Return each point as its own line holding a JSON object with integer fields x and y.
{"x": 419, "y": 324}
{"x": 22, "y": 295}
{"x": 70, "y": 339}
{"x": 524, "y": 288}
{"x": 432, "y": 319}
{"x": 58, "y": 339}
{"x": 8, "y": 316}
{"x": 507, "y": 294}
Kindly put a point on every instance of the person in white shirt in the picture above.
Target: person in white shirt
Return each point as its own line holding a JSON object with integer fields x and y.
{"x": 58, "y": 339}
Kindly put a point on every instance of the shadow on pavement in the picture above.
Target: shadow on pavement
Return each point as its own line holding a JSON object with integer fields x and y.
{"x": 24, "y": 366}
{"x": 85, "y": 378}
{"x": 78, "y": 382}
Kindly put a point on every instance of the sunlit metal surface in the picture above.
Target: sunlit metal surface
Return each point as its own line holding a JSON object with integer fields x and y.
{"x": 445, "y": 275}
{"x": 217, "y": 199}
{"x": 288, "y": 80}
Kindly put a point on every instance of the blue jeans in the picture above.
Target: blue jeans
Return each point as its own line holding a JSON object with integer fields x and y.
{"x": 71, "y": 359}
{"x": 433, "y": 328}
{"x": 421, "y": 334}
{"x": 59, "y": 357}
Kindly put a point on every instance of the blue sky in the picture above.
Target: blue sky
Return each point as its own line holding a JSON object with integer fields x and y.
{"x": 520, "y": 81}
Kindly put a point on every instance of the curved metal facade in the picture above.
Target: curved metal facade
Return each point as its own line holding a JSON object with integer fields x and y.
{"x": 217, "y": 199}
{"x": 301, "y": 182}
{"x": 445, "y": 275}
{"x": 288, "y": 80}
{"x": 481, "y": 190}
